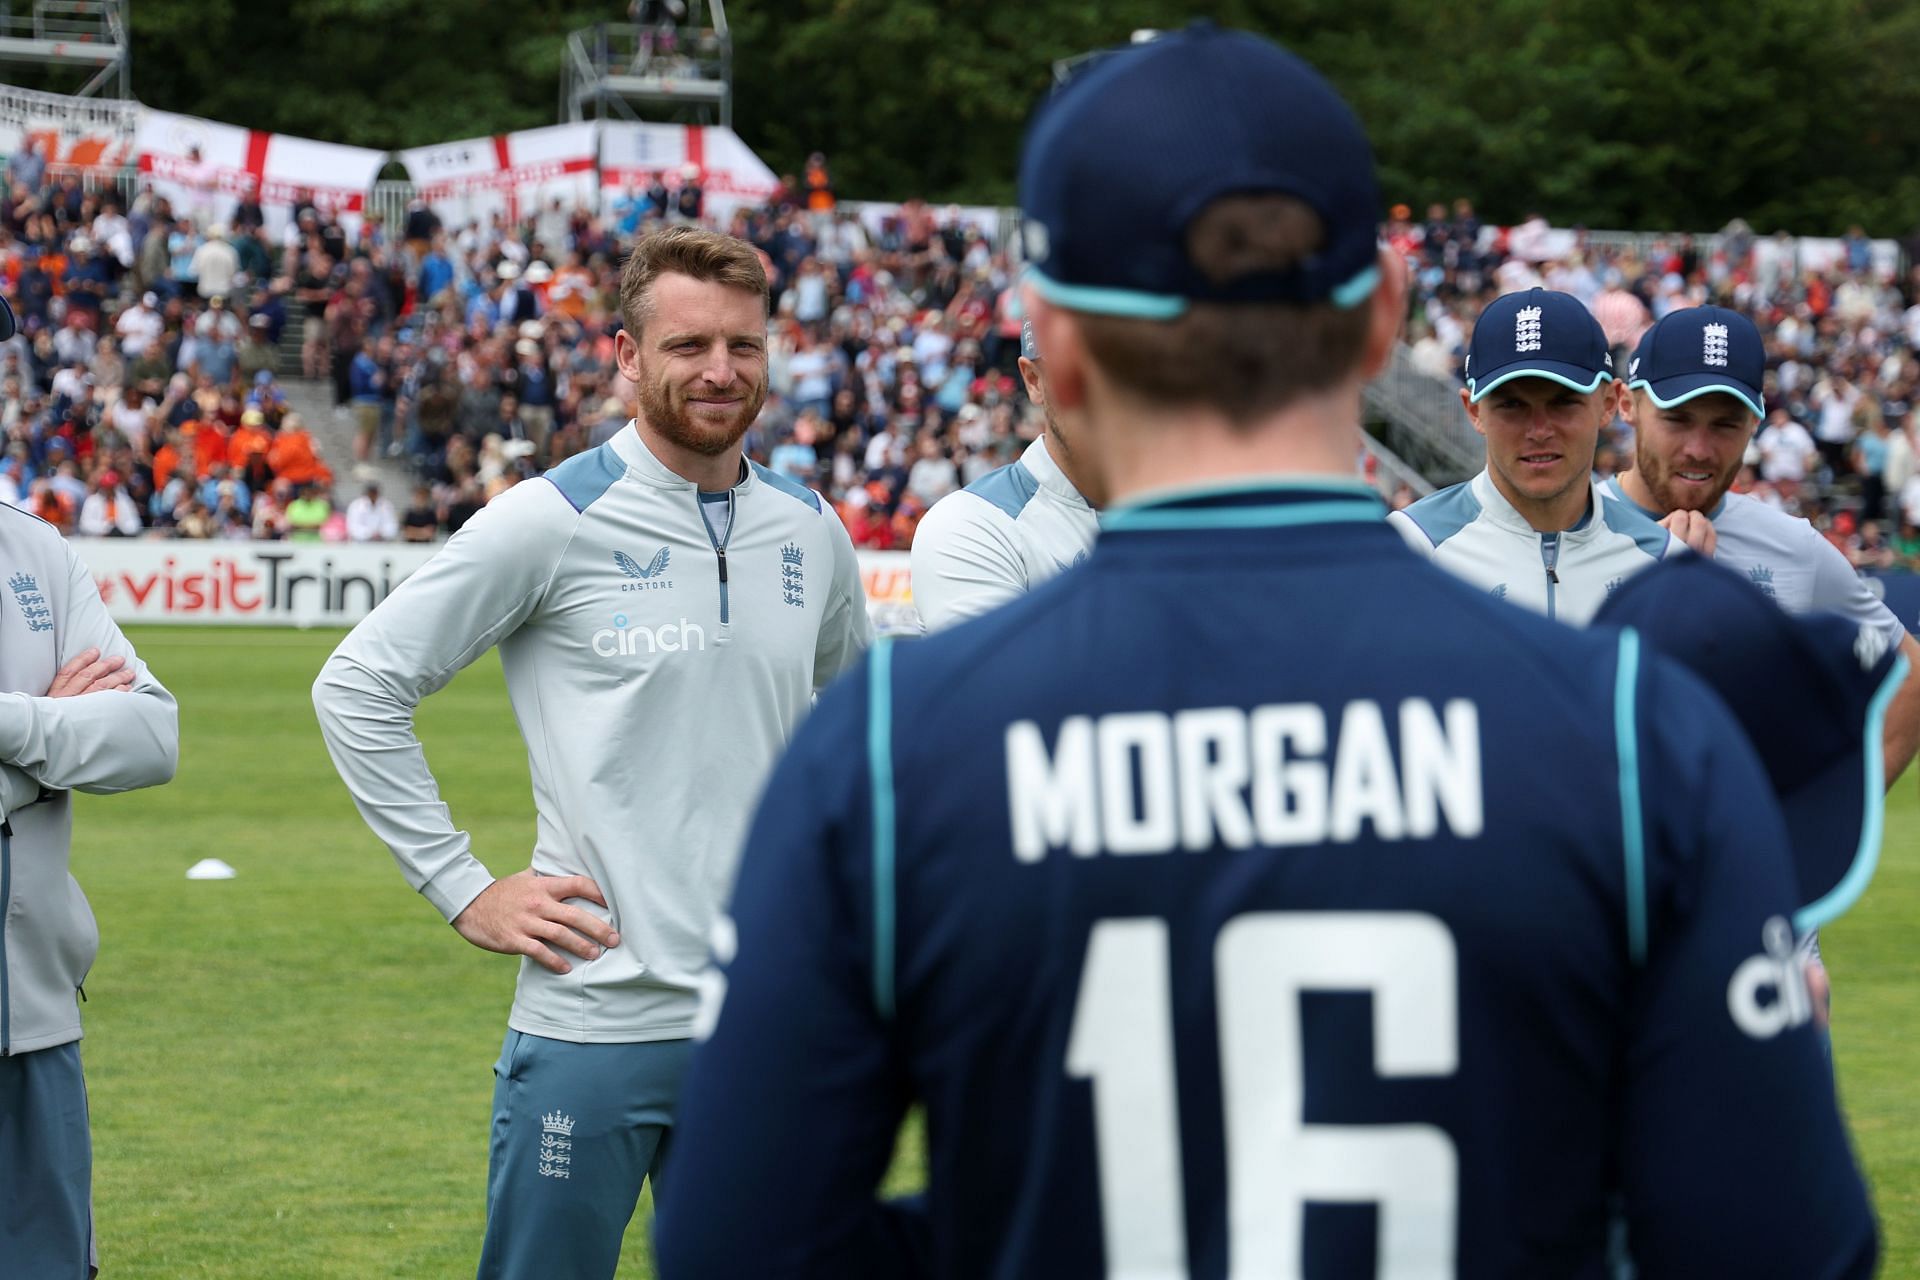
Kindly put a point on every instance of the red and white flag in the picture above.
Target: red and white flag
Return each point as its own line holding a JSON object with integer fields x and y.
{"x": 206, "y": 168}
{"x": 515, "y": 174}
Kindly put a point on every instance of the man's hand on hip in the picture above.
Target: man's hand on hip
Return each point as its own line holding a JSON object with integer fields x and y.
{"x": 518, "y": 915}
{"x": 88, "y": 672}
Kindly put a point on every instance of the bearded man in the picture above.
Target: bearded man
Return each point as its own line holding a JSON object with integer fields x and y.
{"x": 664, "y": 611}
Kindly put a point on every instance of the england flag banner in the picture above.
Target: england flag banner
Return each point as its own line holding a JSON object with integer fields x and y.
{"x": 512, "y": 174}
{"x": 206, "y": 168}
{"x": 730, "y": 174}
{"x": 77, "y": 133}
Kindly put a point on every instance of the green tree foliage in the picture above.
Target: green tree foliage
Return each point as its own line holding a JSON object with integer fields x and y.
{"x": 1801, "y": 114}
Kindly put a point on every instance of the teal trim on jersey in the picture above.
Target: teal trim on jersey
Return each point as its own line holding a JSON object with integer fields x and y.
{"x": 1643, "y": 385}
{"x": 1627, "y": 518}
{"x": 1246, "y": 484}
{"x": 1633, "y": 835}
{"x": 1010, "y": 488}
{"x": 1276, "y": 517}
{"x": 1135, "y": 304}
{"x": 584, "y": 477}
{"x": 785, "y": 484}
{"x": 1098, "y": 300}
{"x": 1477, "y": 393}
{"x": 1866, "y": 858}
{"x": 1443, "y": 514}
{"x": 880, "y": 780}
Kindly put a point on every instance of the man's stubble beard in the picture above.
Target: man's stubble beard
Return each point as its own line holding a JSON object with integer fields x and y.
{"x": 666, "y": 412}
{"x": 1654, "y": 475}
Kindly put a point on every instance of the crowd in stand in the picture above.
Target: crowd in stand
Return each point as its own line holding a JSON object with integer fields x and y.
{"x": 142, "y": 395}
{"x": 1840, "y": 444}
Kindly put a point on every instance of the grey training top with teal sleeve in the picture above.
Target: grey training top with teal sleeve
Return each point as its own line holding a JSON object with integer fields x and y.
{"x": 656, "y": 671}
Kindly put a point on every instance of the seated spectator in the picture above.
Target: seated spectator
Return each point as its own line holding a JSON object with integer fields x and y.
{"x": 422, "y": 522}
{"x": 108, "y": 512}
{"x": 294, "y": 458}
{"x": 270, "y": 510}
{"x": 308, "y": 514}
{"x": 51, "y": 505}
{"x": 370, "y": 518}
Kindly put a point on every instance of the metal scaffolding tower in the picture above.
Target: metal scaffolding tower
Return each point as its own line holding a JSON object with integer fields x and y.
{"x": 676, "y": 67}
{"x": 86, "y": 37}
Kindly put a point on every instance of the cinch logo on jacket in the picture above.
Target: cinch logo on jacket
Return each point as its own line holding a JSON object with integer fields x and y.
{"x": 620, "y": 640}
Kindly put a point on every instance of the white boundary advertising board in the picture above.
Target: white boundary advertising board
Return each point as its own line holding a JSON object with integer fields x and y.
{"x": 327, "y": 584}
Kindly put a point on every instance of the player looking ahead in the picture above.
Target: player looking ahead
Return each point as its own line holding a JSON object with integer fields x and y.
{"x": 664, "y": 612}
{"x": 1532, "y": 527}
{"x": 1293, "y": 909}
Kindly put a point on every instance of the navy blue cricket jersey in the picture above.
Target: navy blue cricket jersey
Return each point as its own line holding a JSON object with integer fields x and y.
{"x": 1257, "y": 900}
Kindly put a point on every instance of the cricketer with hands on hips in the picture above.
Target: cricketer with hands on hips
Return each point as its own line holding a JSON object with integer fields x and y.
{"x": 664, "y": 611}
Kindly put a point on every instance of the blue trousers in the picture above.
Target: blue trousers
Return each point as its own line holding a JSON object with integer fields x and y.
{"x": 576, "y": 1129}
{"x": 46, "y": 1167}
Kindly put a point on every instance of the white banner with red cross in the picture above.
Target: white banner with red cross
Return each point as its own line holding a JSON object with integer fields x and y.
{"x": 730, "y": 174}
{"x": 206, "y": 168}
{"x": 513, "y": 174}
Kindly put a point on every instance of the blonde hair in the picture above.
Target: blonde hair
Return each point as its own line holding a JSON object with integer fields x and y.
{"x": 688, "y": 251}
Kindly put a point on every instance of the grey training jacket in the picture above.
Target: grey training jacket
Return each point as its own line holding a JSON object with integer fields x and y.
{"x": 50, "y": 610}
{"x": 655, "y": 676}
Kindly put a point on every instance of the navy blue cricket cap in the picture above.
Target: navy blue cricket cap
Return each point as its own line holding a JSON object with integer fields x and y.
{"x": 7, "y": 325}
{"x": 1537, "y": 333}
{"x": 1699, "y": 350}
{"x": 1120, "y": 160}
{"x": 1811, "y": 692}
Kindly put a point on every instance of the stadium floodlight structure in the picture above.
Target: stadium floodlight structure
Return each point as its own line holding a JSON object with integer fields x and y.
{"x": 86, "y": 37}
{"x": 677, "y": 67}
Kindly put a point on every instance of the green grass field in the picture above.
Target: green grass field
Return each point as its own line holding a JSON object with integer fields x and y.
{"x": 291, "y": 1070}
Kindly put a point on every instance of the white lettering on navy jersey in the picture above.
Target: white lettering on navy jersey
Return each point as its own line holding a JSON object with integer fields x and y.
{"x": 1768, "y": 992}
{"x": 1147, "y": 782}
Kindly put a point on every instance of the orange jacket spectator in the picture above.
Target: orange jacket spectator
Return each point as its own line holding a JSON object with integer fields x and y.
{"x": 292, "y": 456}
{"x": 166, "y": 462}
{"x": 249, "y": 440}
{"x": 209, "y": 448}
{"x": 53, "y": 506}
{"x": 819, "y": 185}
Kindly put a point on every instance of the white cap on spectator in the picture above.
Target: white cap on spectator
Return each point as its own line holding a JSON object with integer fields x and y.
{"x": 539, "y": 272}
{"x": 508, "y": 270}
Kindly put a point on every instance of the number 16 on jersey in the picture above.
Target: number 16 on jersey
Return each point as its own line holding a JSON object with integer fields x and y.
{"x": 1276, "y": 1161}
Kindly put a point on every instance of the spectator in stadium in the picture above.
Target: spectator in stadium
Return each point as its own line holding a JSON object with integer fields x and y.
{"x": 307, "y": 514}
{"x": 108, "y": 512}
{"x": 1787, "y": 451}
{"x": 421, "y": 523}
{"x": 371, "y": 518}
{"x": 214, "y": 265}
{"x": 365, "y": 386}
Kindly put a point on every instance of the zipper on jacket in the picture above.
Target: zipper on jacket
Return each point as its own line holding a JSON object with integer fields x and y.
{"x": 6, "y": 896}
{"x": 1550, "y": 557}
{"x": 719, "y": 547}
